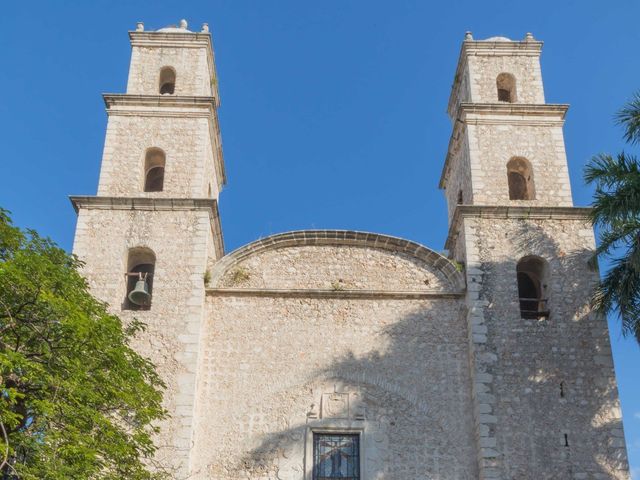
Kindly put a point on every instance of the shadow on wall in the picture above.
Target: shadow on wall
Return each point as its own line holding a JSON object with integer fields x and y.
{"x": 554, "y": 394}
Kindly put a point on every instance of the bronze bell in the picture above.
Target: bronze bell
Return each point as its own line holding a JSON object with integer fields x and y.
{"x": 140, "y": 294}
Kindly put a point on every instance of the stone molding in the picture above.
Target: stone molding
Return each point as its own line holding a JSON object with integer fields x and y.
{"x": 125, "y": 104}
{"x": 542, "y": 114}
{"x": 340, "y": 238}
{"x": 129, "y": 99}
{"x": 512, "y": 212}
{"x": 331, "y": 293}
{"x": 156, "y": 205}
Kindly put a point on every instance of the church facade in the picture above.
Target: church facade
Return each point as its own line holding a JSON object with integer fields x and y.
{"x": 325, "y": 354}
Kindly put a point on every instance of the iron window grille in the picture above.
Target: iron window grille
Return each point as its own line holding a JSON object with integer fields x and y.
{"x": 336, "y": 456}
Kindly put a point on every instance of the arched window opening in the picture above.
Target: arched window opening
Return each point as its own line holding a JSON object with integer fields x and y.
{"x": 532, "y": 275}
{"x": 167, "y": 81}
{"x": 520, "y": 178}
{"x": 460, "y": 198}
{"x": 140, "y": 269}
{"x": 154, "y": 162}
{"x": 506, "y": 84}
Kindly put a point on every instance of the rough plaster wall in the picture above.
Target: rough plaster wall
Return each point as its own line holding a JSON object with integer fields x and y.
{"x": 179, "y": 240}
{"x": 520, "y": 363}
{"x": 345, "y": 267}
{"x": 493, "y": 145}
{"x": 190, "y": 64}
{"x": 486, "y": 68}
{"x": 266, "y": 361}
{"x": 185, "y": 141}
{"x": 459, "y": 177}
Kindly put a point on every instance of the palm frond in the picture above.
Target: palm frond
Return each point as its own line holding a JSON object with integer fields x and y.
{"x": 629, "y": 118}
{"x": 617, "y": 194}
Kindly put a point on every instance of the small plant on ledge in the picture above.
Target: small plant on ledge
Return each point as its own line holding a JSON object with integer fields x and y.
{"x": 240, "y": 275}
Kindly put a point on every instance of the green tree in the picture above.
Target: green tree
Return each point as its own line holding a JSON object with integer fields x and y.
{"x": 76, "y": 402}
{"x": 616, "y": 213}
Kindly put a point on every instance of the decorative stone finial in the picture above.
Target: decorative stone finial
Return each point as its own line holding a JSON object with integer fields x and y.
{"x": 205, "y": 28}
{"x": 139, "y": 27}
{"x": 468, "y": 36}
{"x": 183, "y": 24}
{"x": 529, "y": 37}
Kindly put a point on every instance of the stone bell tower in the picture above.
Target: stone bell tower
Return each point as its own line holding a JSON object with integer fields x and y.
{"x": 544, "y": 393}
{"x": 156, "y": 211}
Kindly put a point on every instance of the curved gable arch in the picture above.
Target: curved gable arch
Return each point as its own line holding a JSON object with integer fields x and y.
{"x": 440, "y": 264}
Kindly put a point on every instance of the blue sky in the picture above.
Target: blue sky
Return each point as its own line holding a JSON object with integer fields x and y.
{"x": 333, "y": 112}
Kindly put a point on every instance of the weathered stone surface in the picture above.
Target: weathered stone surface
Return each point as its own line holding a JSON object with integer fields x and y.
{"x": 428, "y": 360}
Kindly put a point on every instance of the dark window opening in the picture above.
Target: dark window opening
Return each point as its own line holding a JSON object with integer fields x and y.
{"x": 336, "y": 456}
{"x": 140, "y": 267}
{"x": 531, "y": 276}
{"x": 520, "y": 179}
{"x": 167, "y": 81}
{"x": 154, "y": 180}
{"x": 504, "y": 95}
{"x": 517, "y": 186}
{"x": 506, "y": 85}
{"x": 154, "y": 163}
{"x": 460, "y": 198}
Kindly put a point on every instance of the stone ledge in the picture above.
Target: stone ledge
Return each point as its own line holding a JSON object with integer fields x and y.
{"x": 155, "y": 205}
{"x": 504, "y": 108}
{"x": 510, "y": 212}
{"x": 116, "y": 99}
{"x": 330, "y": 293}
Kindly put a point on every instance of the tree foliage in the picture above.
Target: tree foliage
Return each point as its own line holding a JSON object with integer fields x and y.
{"x": 616, "y": 214}
{"x": 76, "y": 401}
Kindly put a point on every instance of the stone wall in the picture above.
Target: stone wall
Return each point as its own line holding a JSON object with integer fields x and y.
{"x": 459, "y": 176}
{"x": 537, "y": 380}
{"x": 190, "y": 64}
{"x": 183, "y": 137}
{"x": 493, "y": 144}
{"x": 267, "y": 362}
{"x": 272, "y": 356}
{"x": 484, "y": 70}
{"x": 345, "y": 268}
{"x": 179, "y": 240}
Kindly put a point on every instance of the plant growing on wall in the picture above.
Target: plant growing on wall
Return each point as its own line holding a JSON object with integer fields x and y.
{"x": 240, "y": 275}
{"x": 76, "y": 401}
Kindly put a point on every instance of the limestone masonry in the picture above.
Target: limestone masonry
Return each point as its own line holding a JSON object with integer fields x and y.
{"x": 337, "y": 354}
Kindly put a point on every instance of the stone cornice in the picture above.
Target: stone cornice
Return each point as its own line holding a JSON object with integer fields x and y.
{"x": 512, "y": 212}
{"x": 558, "y": 110}
{"x": 170, "y": 39}
{"x": 485, "y": 48}
{"x": 545, "y": 114}
{"x": 127, "y": 99}
{"x": 330, "y": 293}
{"x": 156, "y": 205}
{"x": 125, "y": 104}
{"x": 180, "y": 40}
